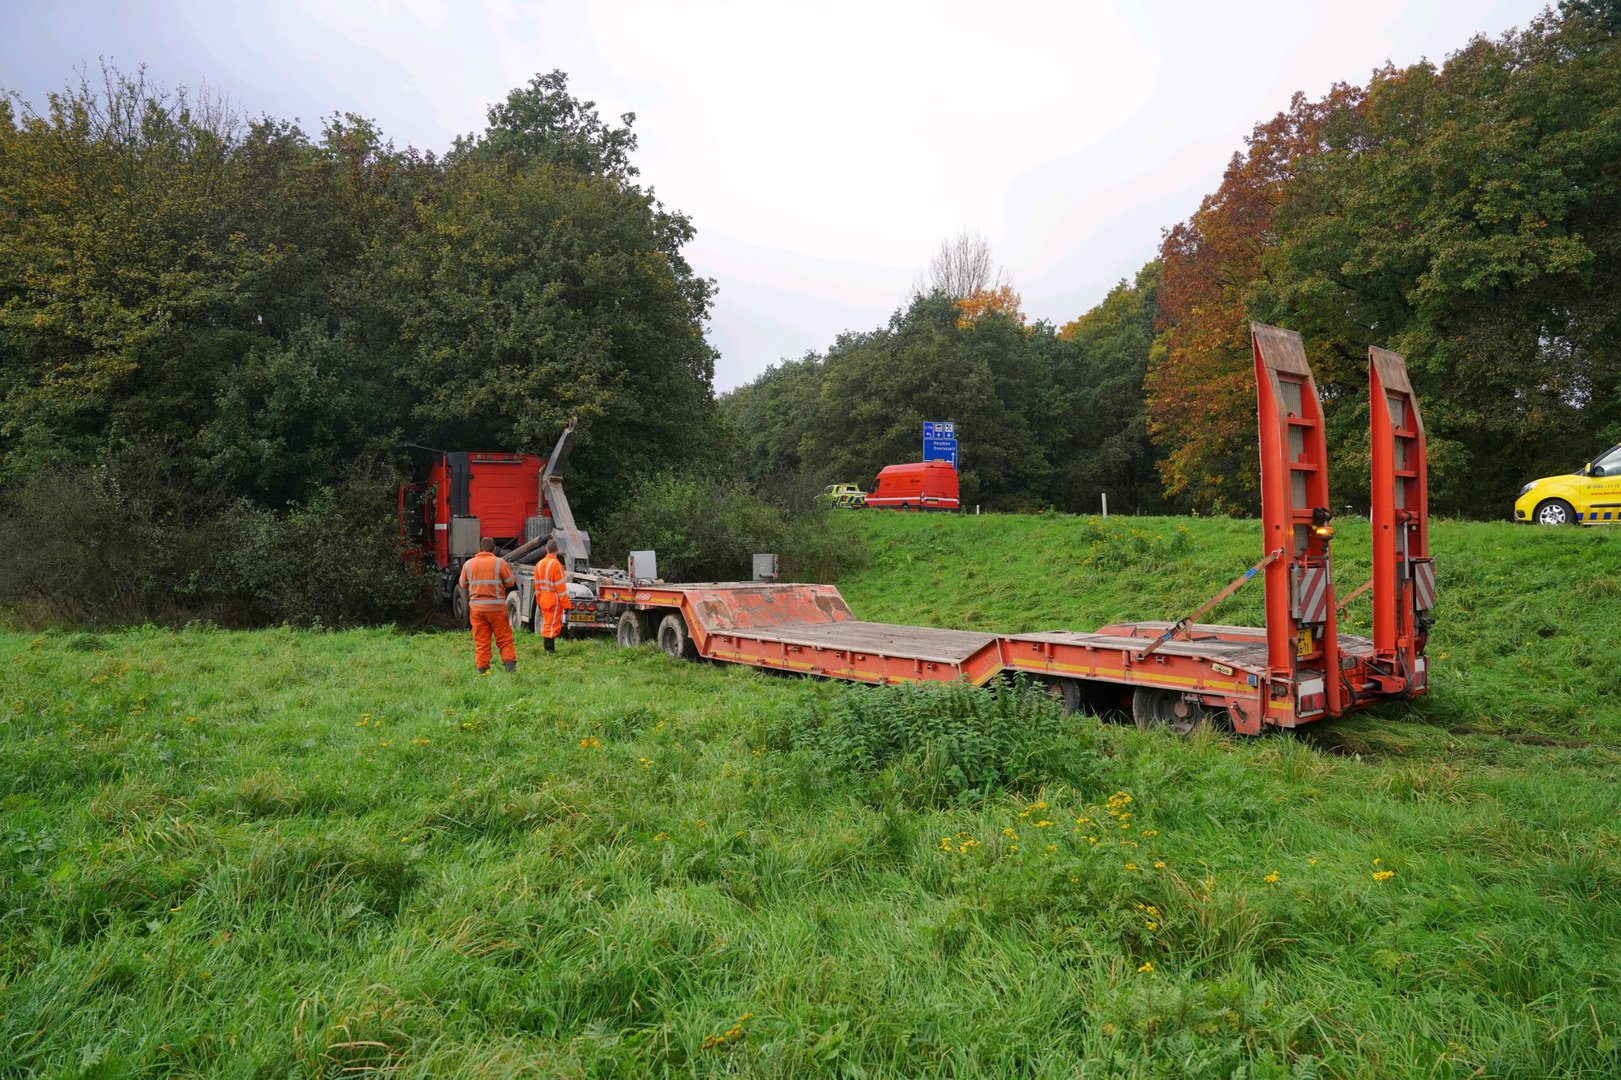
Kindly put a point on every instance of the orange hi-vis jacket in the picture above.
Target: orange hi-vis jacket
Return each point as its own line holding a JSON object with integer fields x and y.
{"x": 487, "y": 579}
{"x": 551, "y": 584}
{"x": 551, "y": 592}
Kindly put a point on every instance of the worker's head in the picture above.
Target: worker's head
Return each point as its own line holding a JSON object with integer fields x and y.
{"x": 487, "y": 543}
{"x": 551, "y": 547}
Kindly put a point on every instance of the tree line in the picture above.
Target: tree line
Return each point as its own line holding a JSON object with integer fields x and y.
{"x": 1466, "y": 214}
{"x": 266, "y": 307}
{"x": 1046, "y": 416}
{"x": 222, "y": 337}
{"x": 208, "y": 320}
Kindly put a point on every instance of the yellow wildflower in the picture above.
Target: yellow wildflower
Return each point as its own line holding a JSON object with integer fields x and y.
{"x": 1383, "y": 875}
{"x": 1272, "y": 878}
{"x": 1148, "y": 965}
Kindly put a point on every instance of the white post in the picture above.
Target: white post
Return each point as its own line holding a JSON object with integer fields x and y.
{"x": 1105, "y": 504}
{"x": 976, "y": 509}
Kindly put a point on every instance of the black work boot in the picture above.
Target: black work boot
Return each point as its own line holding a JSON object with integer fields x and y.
{"x": 510, "y": 665}
{"x": 483, "y": 670}
{"x": 551, "y": 644}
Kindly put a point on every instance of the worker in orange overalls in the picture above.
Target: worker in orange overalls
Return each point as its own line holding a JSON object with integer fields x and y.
{"x": 486, "y": 579}
{"x": 551, "y": 593}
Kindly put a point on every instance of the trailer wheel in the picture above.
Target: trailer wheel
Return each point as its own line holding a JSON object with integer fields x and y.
{"x": 1068, "y": 693}
{"x": 633, "y": 629}
{"x": 674, "y": 639}
{"x": 1166, "y": 709}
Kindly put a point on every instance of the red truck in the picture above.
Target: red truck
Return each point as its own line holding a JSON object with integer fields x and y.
{"x": 517, "y": 500}
{"x": 920, "y": 485}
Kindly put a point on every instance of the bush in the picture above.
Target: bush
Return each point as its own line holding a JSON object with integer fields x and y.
{"x": 333, "y": 562}
{"x": 950, "y": 744}
{"x": 104, "y": 545}
{"x": 130, "y": 541}
{"x": 708, "y": 529}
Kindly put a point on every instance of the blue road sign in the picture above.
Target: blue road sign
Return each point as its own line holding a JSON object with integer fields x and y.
{"x": 940, "y": 441}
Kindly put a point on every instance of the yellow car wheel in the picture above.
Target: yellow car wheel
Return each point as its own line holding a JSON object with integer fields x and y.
{"x": 1554, "y": 512}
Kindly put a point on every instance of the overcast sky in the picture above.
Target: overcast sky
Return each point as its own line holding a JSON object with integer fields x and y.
{"x": 823, "y": 150}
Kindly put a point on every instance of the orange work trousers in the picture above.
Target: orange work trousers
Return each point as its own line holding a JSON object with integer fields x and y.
{"x": 551, "y": 616}
{"x": 488, "y": 621}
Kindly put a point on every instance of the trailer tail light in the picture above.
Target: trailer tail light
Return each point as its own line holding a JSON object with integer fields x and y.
{"x": 1312, "y": 697}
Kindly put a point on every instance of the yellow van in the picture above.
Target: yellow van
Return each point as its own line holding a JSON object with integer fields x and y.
{"x": 1589, "y": 496}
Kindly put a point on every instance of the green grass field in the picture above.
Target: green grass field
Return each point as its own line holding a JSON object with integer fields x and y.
{"x": 280, "y": 853}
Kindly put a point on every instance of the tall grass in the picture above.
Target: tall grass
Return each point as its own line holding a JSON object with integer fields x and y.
{"x": 284, "y": 853}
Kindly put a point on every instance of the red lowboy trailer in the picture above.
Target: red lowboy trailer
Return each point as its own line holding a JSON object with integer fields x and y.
{"x": 1298, "y": 669}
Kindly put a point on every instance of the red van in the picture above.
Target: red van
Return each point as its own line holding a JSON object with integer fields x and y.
{"x": 922, "y": 485}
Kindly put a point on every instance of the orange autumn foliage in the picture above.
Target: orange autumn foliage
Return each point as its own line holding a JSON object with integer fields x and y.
{"x": 981, "y": 301}
{"x": 1201, "y": 394}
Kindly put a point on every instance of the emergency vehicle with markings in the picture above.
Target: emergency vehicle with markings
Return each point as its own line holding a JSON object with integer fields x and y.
{"x": 1589, "y": 496}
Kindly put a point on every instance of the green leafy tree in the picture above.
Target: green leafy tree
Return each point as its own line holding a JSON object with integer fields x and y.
{"x": 770, "y": 419}
{"x": 1470, "y": 217}
{"x": 1104, "y": 443}
{"x": 537, "y": 283}
{"x": 541, "y": 123}
{"x": 118, "y": 269}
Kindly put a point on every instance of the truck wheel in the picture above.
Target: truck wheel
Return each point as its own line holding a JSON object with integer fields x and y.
{"x": 514, "y": 613}
{"x": 1165, "y": 709}
{"x": 633, "y": 630}
{"x": 674, "y": 639}
{"x": 458, "y": 610}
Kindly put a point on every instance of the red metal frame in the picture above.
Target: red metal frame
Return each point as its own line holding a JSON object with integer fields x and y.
{"x": 1403, "y": 572}
{"x": 1301, "y": 634}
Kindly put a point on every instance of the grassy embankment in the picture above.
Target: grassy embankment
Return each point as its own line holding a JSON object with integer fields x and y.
{"x": 274, "y": 853}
